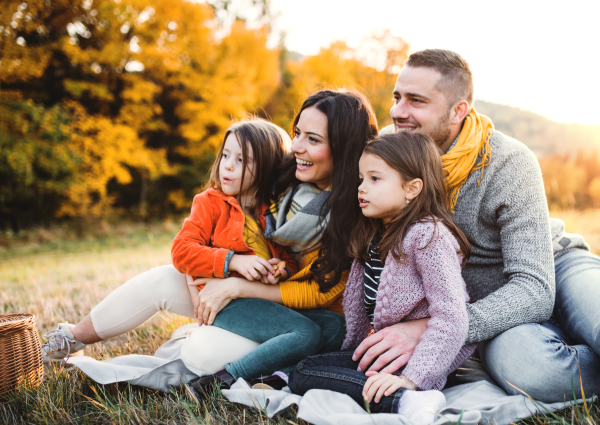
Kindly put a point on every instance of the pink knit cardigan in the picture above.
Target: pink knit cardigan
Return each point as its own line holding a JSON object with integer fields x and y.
{"x": 430, "y": 284}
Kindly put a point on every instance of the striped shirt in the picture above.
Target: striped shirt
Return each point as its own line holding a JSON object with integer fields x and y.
{"x": 373, "y": 268}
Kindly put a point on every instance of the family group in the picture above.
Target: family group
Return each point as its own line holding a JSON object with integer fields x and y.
{"x": 374, "y": 262}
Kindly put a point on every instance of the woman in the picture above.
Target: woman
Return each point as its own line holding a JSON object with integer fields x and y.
{"x": 330, "y": 131}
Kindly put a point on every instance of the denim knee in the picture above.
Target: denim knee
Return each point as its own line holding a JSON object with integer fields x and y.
{"x": 297, "y": 380}
{"x": 533, "y": 359}
{"x": 312, "y": 361}
{"x": 578, "y": 297}
{"x": 300, "y": 381}
{"x": 310, "y": 338}
{"x": 335, "y": 332}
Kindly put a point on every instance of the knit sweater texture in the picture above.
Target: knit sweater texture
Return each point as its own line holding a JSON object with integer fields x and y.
{"x": 429, "y": 284}
{"x": 510, "y": 274}
{"x": 301, "y": 291}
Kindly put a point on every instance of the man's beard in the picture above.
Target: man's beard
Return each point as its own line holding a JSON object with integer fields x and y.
{"x": 441, "y": 132}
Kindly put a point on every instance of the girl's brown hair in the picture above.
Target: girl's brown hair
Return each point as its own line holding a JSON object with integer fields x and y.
{"x": 270, "y": 146}
{"x": 413, "y": 156}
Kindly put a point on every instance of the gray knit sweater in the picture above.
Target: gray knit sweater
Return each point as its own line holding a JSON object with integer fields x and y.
{"x": 510, "y": 275}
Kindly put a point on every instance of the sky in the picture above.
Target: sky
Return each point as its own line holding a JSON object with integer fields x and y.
{"x": 543, "y": 56}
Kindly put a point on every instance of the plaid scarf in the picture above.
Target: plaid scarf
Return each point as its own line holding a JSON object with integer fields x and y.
{"x": 294, "y": 220}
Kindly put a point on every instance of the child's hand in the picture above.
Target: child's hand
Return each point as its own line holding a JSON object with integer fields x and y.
{"x": 252, "y": 267}
{"x": 384, "y": 384}
{"x": 279, "y": 274}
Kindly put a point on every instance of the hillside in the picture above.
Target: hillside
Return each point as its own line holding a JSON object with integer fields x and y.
{"x": 543, "y": 136}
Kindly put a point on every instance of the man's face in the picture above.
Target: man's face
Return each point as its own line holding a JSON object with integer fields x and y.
{"x": 420, "y": 107}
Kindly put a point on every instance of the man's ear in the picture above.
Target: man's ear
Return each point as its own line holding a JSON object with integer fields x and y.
{"x": 413, "y": 188}
{"x": 460, "y": 111}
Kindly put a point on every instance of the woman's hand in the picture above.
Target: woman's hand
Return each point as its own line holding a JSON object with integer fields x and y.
{"x": 252, "y": 267}
{"x": 194, "y": 291}
{"x": 217, "y": 293}
{"x": 214, "y": 297}
{"x": 384, "y": 384}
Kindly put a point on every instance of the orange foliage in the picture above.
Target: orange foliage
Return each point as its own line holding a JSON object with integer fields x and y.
{"x": 369, "y": 68}
{"x": 572, "y": 181}
{"x": 107, "y": 150}
{"x": 142, "y": 91}
{"x": 123, "y": 103}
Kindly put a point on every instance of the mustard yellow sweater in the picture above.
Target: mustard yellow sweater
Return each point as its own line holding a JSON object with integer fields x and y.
{"x": 301, "y": 291}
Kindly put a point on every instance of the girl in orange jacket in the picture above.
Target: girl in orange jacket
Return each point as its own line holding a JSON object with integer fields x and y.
{"x": 222, "y": 235}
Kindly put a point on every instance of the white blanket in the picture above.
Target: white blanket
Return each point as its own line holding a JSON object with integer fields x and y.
{"x": 477, "y": 402}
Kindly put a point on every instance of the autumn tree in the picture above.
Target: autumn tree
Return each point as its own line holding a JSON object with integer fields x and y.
{"x": 370, "y": 68}
{"x": 136, "y": 92}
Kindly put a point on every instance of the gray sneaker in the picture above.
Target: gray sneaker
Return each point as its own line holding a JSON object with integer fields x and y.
{"x": 60, "y": 344}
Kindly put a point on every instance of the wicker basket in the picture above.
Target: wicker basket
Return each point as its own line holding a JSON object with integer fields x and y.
{"x": 20, "y": 352}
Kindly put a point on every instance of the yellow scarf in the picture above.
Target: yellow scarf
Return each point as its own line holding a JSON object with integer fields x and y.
{"x": 460, "y": 162}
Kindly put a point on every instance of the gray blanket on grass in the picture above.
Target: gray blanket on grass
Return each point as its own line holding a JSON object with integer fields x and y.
{"x": 477, "y": 402}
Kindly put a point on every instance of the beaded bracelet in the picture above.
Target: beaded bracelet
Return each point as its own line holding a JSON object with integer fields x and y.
{"x": 227, "y": 261}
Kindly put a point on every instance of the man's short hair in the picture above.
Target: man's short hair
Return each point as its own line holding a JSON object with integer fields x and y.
{"x": 456, "y": 82}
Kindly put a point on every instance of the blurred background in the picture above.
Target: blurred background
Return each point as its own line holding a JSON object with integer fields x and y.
{"x": 111, "y": 110}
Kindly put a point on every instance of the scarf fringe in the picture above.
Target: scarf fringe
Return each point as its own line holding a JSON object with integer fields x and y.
{"x": 473, "y": 142}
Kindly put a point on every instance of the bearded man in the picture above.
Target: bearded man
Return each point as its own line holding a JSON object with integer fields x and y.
{"x": 535, "y": 290}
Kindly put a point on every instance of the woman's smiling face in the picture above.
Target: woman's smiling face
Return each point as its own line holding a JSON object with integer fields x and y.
{"x": 314, "y": 162}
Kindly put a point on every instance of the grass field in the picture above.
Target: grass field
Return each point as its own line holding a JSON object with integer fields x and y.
{"x": 60, "y": 278}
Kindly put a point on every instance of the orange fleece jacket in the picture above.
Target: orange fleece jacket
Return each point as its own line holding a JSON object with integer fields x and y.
{"x": 214, "y": 227}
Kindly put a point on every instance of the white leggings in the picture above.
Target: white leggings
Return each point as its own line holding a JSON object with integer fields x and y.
{"x": 165, "y": 289}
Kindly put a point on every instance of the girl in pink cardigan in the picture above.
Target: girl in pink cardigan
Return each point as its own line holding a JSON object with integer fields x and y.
{"x": 408, "y": 258}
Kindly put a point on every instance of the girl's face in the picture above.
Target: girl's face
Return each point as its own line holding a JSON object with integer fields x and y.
{"x": 314, "y": 162}
{"x": 230, "y": 168}
{"x": 382, "y": 192}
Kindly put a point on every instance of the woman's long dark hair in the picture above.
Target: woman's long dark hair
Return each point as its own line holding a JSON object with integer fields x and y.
{"x": 351, "y": 123}
{"x": 413, "y": 156}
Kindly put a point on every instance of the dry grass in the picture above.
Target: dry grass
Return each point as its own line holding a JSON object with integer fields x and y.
{"x": 58, "y": 279}
{"x": 62, "y": 280}
{"x": 586, "y": 223}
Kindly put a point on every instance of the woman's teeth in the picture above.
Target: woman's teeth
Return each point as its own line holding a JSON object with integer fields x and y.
{"x": 303, "y": 162}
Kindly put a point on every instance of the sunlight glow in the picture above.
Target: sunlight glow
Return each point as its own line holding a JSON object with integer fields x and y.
{"x": 535, "y": 55}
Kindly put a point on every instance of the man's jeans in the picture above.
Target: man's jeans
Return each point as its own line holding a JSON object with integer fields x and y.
{"x": 337, "y": 372}
{"x": 544, "y": 360}
{"x": 286, "y": 336}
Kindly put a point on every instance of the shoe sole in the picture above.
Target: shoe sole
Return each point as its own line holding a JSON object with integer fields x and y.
{"x": 58, "y": 364}
{"x": 191, "y": 393}
{"x": 262, "y": 387}
{"x": 50, "y": 360}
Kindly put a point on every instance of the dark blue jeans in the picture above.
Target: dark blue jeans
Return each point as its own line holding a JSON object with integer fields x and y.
{"x": 337, "y": 372}
{"x": 286, "y": 336}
